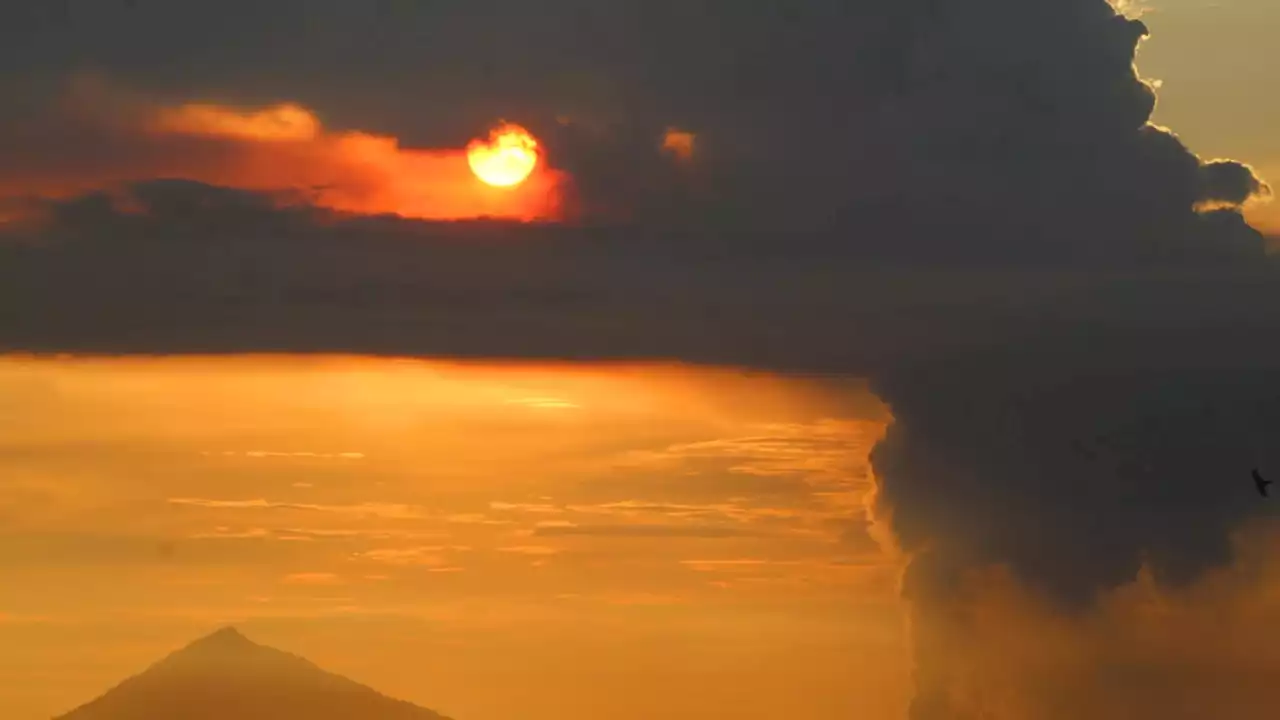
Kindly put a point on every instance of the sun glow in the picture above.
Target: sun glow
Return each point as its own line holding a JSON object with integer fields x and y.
{"x": 284, "y": 150}
{"x": 282, "y": 122}
{"x": 506, "y": 158}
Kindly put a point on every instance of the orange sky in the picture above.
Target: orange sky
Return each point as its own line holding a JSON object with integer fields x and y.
{"x": 283, "y": 147}
{"x": 493, "y": 541}
{"x": 536, "y": 541}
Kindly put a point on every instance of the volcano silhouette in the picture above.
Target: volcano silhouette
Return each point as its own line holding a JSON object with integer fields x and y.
{"x": 226, "y": 676}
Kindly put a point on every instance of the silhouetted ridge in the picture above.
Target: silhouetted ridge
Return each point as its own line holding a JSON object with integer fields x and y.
{"x": 227, "y": 676}
{"x": 227, "y": 641}
{"x": 226, "y": 636}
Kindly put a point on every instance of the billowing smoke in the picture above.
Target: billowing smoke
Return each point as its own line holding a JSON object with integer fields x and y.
{"x": 1074, "y": 478}
{"x": 1062, "y": 305}
{"x": 1083, "y": 449}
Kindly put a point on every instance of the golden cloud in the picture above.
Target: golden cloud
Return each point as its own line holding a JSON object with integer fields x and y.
{"x": 106, "y": 137}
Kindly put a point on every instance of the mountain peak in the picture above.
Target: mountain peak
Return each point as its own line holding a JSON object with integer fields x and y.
{"x": 228, "y": 650}
{"x": 225, "y": 674}
{"x": 227, "y": 638}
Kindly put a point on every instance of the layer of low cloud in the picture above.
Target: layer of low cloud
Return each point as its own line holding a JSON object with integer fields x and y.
{"x": 646, "y": 530}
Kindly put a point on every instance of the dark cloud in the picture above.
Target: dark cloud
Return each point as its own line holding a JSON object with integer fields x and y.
{"x": 896, "y": 130}
{"x": 963, "y": 201}
{"x": 1230, "y": 183}
{"x": 1076, "y": 478}
{"x": 177, "y": 266}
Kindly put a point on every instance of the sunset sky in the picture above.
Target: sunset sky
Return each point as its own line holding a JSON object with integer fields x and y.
{"x": 586, "y": 359}
{"x": 488, "y": 539}
{"x": 1212, "y": 57}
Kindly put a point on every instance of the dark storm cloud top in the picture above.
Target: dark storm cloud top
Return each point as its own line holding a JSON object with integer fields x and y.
{"x": 809, "y": 113}
{"x": 961, "y": 200}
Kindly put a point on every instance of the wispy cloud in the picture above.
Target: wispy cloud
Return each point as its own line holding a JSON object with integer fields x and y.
{"x": 226, "y": 533}
{"x": 379, "y": 510}
{"x": 736, "y": 510}
{"x": 432, "y": 555}
{"x": 223, "y": 532}
{"x": 526, "y": 507}
{"x": 529, "y": 550}
{"x": 726, "y": 510}
{"x": 312, "y": 578}
{"x": 826, "y": 515}
{"x": 736, "y": 565}
{"x": 825, "y": 452}
{"x": 545, "y": 403}
{"x": 474, "y": 519}
{"x": 830, "y": 571}
{"x": 650, "y": 531}
{"x": 284, "y": 454}
{"x": 635, "y": 598}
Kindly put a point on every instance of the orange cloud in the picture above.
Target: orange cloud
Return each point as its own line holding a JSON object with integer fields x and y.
{"x": 283, "y": 147}
{"x": 280, "y": 122}
{"x": 679, "y": 143}
{"x": 312, "y": 578}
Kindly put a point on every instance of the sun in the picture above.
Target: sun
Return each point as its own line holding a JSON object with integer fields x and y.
{"x": 506, "y": 158}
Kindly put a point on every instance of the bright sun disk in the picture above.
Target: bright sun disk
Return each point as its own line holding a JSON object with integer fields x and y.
{"x": 506, "y": 158}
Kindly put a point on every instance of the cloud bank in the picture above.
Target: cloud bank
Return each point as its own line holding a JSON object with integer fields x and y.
{"x": 966, "y": 203}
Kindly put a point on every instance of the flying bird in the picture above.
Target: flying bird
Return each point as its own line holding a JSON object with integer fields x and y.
{"x": 1261, "y": 483}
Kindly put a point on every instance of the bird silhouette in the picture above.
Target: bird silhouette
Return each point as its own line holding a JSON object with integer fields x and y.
{"x": 1261, "y": 483}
